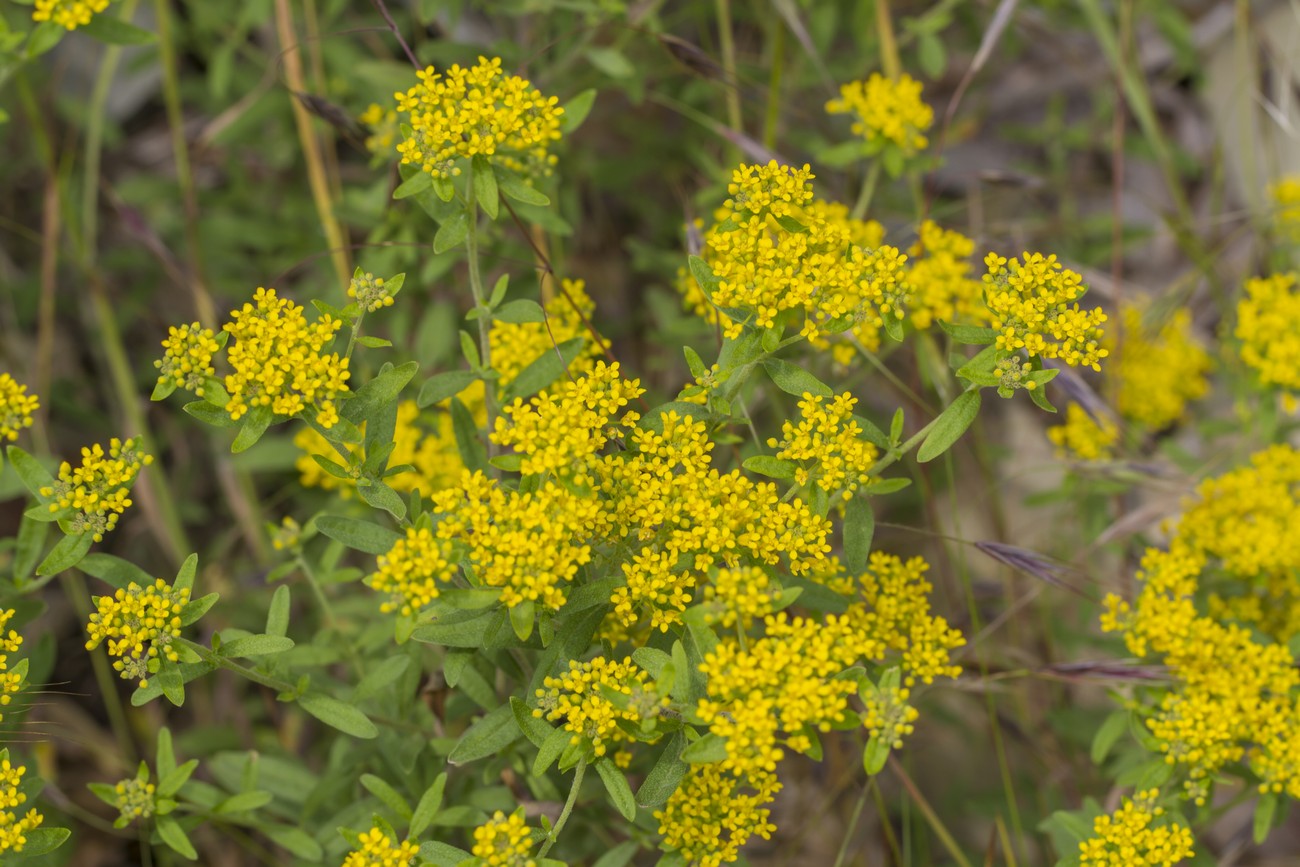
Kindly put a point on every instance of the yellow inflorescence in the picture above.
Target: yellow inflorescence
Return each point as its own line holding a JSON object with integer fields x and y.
{"x": 711, "y": 815}
{"x": 1030, "y": 306}
{"x": 411, "y": 572}
{"x": 279, "y": 360}
{"x": 739, "y": 596}
{"x": 379, "y": 850}
{"x": 886, "y": 111}
{"x": 943, "y": 285}
{"x": 430, "y": 449}
{"x": 1128, "y": 838}
{"x": 97, "y": 490}
{"x": 135, "y": 799}
{"x": 504, "y": 841}
{"x": 383, "y": 126}
{"x": 515, "y": 345}
{"x": 465, "y": 112}
{"x": 1084, "y": 437}
{"x": 187, "y": 362}
{"x": 1286, "y": 207}
{"x": 1156, "y": 373}
{"x": 528, "y": 544}
{"x": 1266, "y": 318}
{"x": 827, "y": 444}
{"x": 11, "y": 682}
{"x": 139, "y": 624}
{"x": 69, "y": 14}
{"x": 16, "y": 407}
{"x": 14, "y": 828}
{"x": 370, "y": 292}
{"x": 578, "y": 697}
{"x": 561, "y": 430}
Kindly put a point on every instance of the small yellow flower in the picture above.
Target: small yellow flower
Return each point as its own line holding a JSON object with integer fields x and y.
{"x": 11, "y": 682}
{"x": 69, "y": 14}
{"x": 504, "y": 841}
{"x": 578, "y": 697}
{"x": 16, "y": 407}
{"x": 1082, "y": 436}
{"x": 1286, "y": 207}
{"x": 411, "y": 572}
{"x": 1127, "y": 838}
{"x": 827, "y": 444}
{"x": 97, "y": 490}
{"x": 135, "y": 800}
{"x": 139, "y": 624}
{"x": 373, "y": 293}
{"x": 13, "y": 828}
{"x": 886, "y": 110}
{"x": 379, "y": 850}
{"x": 1157, "y": 371}
{"x": 1266, "y": 317}
{"x": 187, "y": 362}
{"x": 1030, "y": 306}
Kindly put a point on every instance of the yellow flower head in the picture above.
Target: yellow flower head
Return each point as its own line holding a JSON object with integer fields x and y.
{"x": 16, "y": 407}
{"x": 464, "y": 112}
{"x": 13, "y": 827}
{"x": 411, "y": 571}
{"x": 139, "y": 624}
{"x": 504, "y": 841}
{"x": 1083, "y": 437}
{"x": 373, "y": 293}
{"x": 739, "y": 596}
{"x": 711, "y": 815}
{"x": 1030, "y": 307}
{"x": 579, "y": 697}
{"x": 97, "y": 490}
{"x": 135, "y": 799}
{"x": 11, "y": 680}
{"x": 382, "y": 124}
{"x": 187, "y": 362}
{"x": 827, "y": 444}
{"x": 1266, "y": 317}
{"x": 279, "y": 360}
{"x": 942, "y": 282}
{"x": 69, "y": 14}
{"x": 886, "y": 111}
{"x": 1157, "y": 372}
{"x": 1286, "y": 207}
{"x": 1129, "y": 837}
{"x": 380, "y": 850}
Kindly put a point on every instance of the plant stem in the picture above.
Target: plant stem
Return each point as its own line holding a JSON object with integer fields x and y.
{"x": 568, "y": 808}
{"x": 213, "y": 658}
{"x": 331, "y": 620}
{"x": 74, "y": 587}
{"x": 728, "y": 44}
{"x": 853, "y": 821}
{"x": 480, "y": 302}
{"x": 867, "y": 191}
{"x": 888, "y": 44}
{"x": 931, "y": 818}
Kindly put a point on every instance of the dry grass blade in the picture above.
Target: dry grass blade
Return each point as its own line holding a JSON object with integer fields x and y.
{"x": 1032, "y": 563}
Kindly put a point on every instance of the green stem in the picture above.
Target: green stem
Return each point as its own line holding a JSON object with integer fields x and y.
{"x": 480, "y": 302}
{"x": 867, "y": 191}
{"x": 74, "y": 586}
{"x": 774, "y": 85}
{"x": 728, "y": 44}
{"x": 853, "y": 822}
{"x": 888, "y": 44}
{"x": 213, "y": 658}
{"x": 932, "y": 819}
{"x": 331, "y": 620}
{"x": 356, "y": 332}
{"x": 568, "y": 808}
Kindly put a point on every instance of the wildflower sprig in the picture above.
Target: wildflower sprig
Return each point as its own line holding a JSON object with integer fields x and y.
{"x": 88, "y": 499}
{"x": 16, "y": 407}
{"x": 18, "y": 829}
{"x": 889, "y": 117}
{"x": 69, "y": 14}
{"x": 13, "y": 674}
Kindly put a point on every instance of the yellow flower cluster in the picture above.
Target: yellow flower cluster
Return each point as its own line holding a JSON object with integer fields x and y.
{"x": 1030, "y": 309}
{"x": 886, "y": 111}
{"x": 379, "y": 850}
{"x": 279, "y": 360}
{"x": 1235, "y": 683}
{"x": 370, "y": 292}
{"x": 529, "y": 544}
{"x": 187, "y": 362}
{"x": 16, "y": 407}
{"x": 942, "y": 278}
{"x": 411, "y": 571}
{"x": 888, "y": 716}
{"x": 135, "y": 799}
{"x": 895, "y": 616}
{"x": 1286, "y": 207}
{"x": 827, "y": 444}
{"x": 504, "y": 841}
{"x": 561, "y": 430}
{"x": 465, "y": 112}
{"x": 382, "y": 123}
{"x": 1266, "y": 317}
{"x": 515, "y": 345}
{"x": 1156, "y": 373}
{"x": 13, "y": 829}
{"x": 1128, "y": 838}
{"x": 580, "y": 698}
{"x": 711, "y": 816}
{"x": 1082, "y": 436}
{"x": 97, "y": 490}
{"x": 69, "y": 14}
{"x": 11, "y": 680}
{"x": 680, "y": 517}
{"x": 430, "y": 450}
{"x": 736, "y": 597}
{"x": 139, "y": 624}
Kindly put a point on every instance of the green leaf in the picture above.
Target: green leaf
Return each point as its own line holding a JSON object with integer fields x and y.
{"x": 543, "y": 370}
{"x": 381, "y": 676}
{"x": 520, "y": 190}
{"x": 1265, "y": 811}
{"x": 381, "y": 496}
{"x": 703, "y": 275}
{"x": 256, "y": 645}
{"x": 1109, "y": 732}
{"x": 793, "y": 379}
{"x": 67, "y": 553}
{"x": 859, "y": 527}
{"x": 196, "y": 608}
{"x": 277, "y": 615}
{"x": 44, "y": 840}
{"x": 473, "y": 453}
{"x": 163, "y": 389}
{"x": 243, "y": 802}
{"x": 468, "y": 630}
{"x": 378, "y": 392}
{"x": 522, "y": 617}
{"x": 619, "y": 856}
{"x": 29, "y": 470}
{"x": 775, "y": 468}
{"x": 875, "y": 755}
{"x": 441, "y": 386}
{"x": 255, "y": 423}
{"x": 374, "y": 342}
{"x": 174, "y": 836}
{"x": 550, "y": 750}
{"x": 28, "y": 546}
{"x": 296, "y": 840}
{"x": 950, "y": 425}
{"x": 185, "y": 575}
{"x": 485, "y": 185}
{"x": 665, "y": 776}
{"x": 519, "y": 311}
{"x": 427, "y": 809}
{"x": 708, "y": 749}
{"x": 170, "y": 783}
{"x": 115, "y": 31}
{"x": 388, "y": 795}
{"x": 442, "y": 854}
{"x": 611, "y": 61}
{"x": 416, "y": 183}
{"x": 358, "y": 535}
{"x": 576, "y": 111}
{"x": 534, "y": 728}
{"x": 489, "y": 735}
{"x": 620, "y": 793}
{"x": 973, "y": 335}
{"x": 338, "y": 715}
{"x": 209, "y": 414}
{"x": 451, "y": 234}
{"x": 114, "y": 570}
